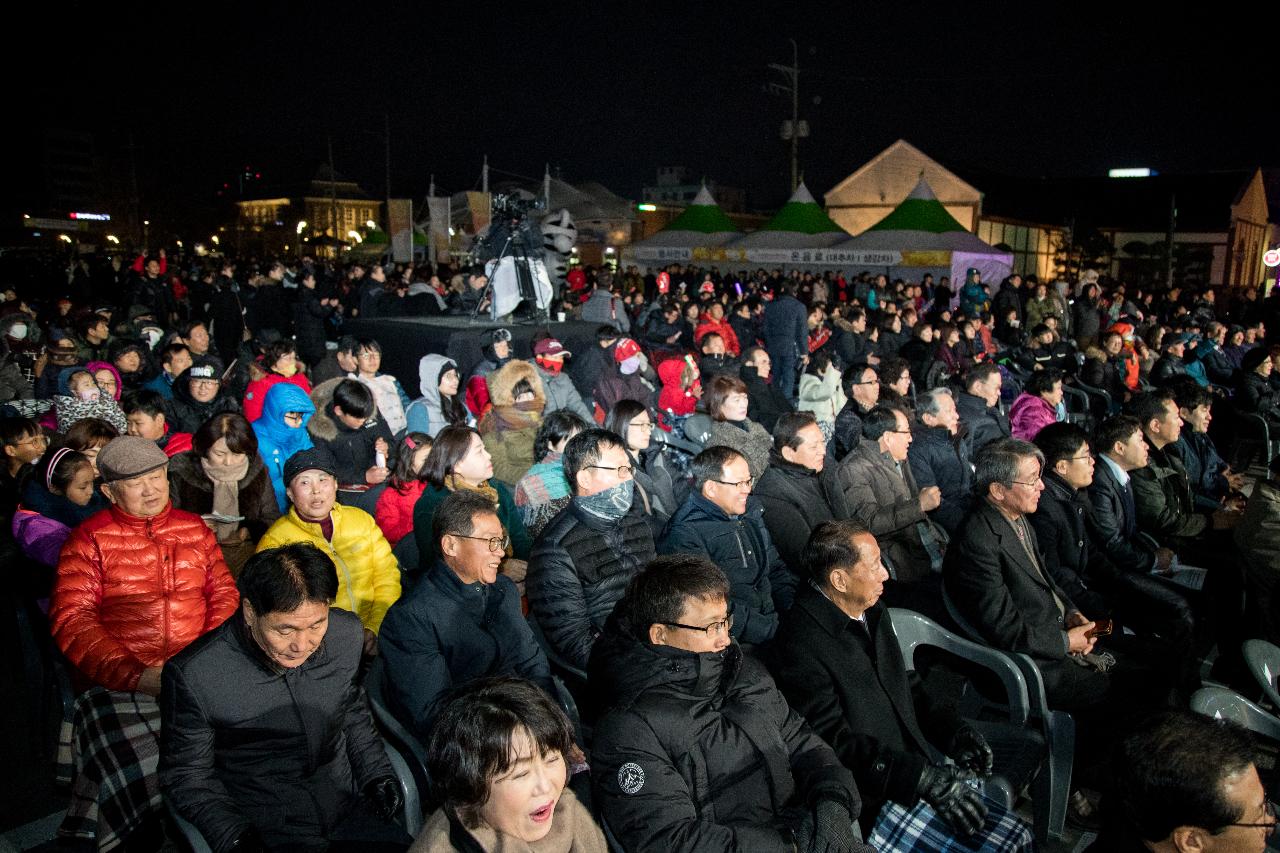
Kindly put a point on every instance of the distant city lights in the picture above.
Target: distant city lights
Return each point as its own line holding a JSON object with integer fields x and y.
{"x": 97, "y": 217}
{"x": 1131, "y": 173}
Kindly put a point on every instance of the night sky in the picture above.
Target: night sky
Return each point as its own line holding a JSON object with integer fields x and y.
{"x": 609, "y": 96}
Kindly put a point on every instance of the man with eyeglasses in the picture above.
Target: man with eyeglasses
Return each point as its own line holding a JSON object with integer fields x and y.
{"x": 882, "y": 493}
{"x": 1188, "y": 784}
{"x": 723, "y": 522}
{"x": 862, "y": 388}
{"x": 580, "y": 565}
{"x": 697, "y": 750}
{"x": 462, "y": 622}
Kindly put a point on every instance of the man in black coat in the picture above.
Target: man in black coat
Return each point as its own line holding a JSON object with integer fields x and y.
{"x": 582, "y": 562}
{"x": 697, "y": 749}
{"x": 198, "y": 395}
{"x": 461, "y": 623}
{"x": 723, "y": 522}
{"x": 267, "y": 739}
{"x": 766, "y": 403}
{"x": 798, "y": 492}
{"x": 587, "y": 368}
{"x": 786, "y": 337}
{"x": 979, "y": 407}
{"x": 938, "y": 457}
{"x": 862, "y": 390}
{"x": 838, "y": 662}
{"x": 346, "y": 422}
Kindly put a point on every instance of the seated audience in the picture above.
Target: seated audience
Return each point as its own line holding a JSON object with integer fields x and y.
{"x": 862, "y": 392}
{"x": 620, "y": 380}
{"x": 1213, "y": 482}
{"x": 728, "y": 403}
{"x": 440, "y": 404}
{"x": 979, "y": 407}
{"x": 1037, "y": 406}
{"x": 281, "y": 432}
{"x": 658, "y": 487}
{"x": 198, "y": 395}
{"x": 368, "y": 577}
{"x": 174, "y": 359}
{"x": 798, "y": 492}
{"x": 1257, "y": 539}
{"x": 767, "y": 402}
{"x": 144, "y": 414}
{"x": 89, "y": 436}
{"x": 459, "y": 462}
{"x": 280, "y": 363}
{"x": 721, "y": 521}
{"x": 820, "y": 392}
{"x": 548, "y": 360}
{"x": 499, "y": 757}
{"x": 882, "y": 494}
{"x": 1255, "y": 393}
{"x": 544, "y": 491}
{"x": 57, "y": 497}
{"x": 511, "y": 423}
{"x": 838, "y": 664}
{"x": 405, "y": 484}
{"x": 940, "y": 457}
{"x": 581, "y": 564}
{"x": 24, "y": 442}
{"x": 697, "y": 749}
{"x": 347, "y": 424}
{"x": 462, "y": 622}
{"x": 135, "y": 585}
{"x": 389, "y": 396}
{"x": 267, "y": 739}
{"x": 222, "y": 479}
{"x": 79, "y": 397}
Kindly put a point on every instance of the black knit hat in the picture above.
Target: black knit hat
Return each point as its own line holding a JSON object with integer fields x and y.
{"x": 311, "y": 459}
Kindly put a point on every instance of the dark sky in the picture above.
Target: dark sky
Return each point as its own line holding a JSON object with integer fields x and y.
{"x": 610, "y": 95}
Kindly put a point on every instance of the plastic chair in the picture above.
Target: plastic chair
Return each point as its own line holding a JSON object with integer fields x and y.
{"x": 1223, "y": 704}
{"x": 1079, "y": 411}
{"x": 1052, "y": 786}
{"x": 1263, "y": 660}
{"x": 410, "y": 750}
{"x": 1100, "y": 402}
{"x": 562, "y": 674}
{"x": 1252, "y": 430}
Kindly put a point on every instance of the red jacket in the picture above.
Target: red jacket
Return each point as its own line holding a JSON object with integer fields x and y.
{"x": 256, "y": 394}
{"x": 723, "y": 329}
{"x": 394, "y": 512}
{"x": 132, "y": 592}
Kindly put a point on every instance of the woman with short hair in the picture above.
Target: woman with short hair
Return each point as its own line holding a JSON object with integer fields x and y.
{"x": 727, "y": 404}
{"x": 499, "y": 757}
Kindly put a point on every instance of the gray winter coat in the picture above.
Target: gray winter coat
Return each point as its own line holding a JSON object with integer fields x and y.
{"x": 561, "y": 394}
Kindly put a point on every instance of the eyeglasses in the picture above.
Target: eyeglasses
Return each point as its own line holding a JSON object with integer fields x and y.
{"x": 749, "y": 482}
{"x": 39, "y": 438}
{"x": 641, "y": 425}
{"x": 1269, "y": 808}
{"x": 1082, "y": 456}
{"x": 1032, "y": 484}
{"x": 293, "y": 417}
{"x": 712, "y": 630}
{"x": 205, "y": 383}
{"x": 497, "y": 544}
{"x": 622, "y": 470}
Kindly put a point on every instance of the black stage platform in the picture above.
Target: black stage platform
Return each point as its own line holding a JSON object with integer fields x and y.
{"x": 405, "y": 340}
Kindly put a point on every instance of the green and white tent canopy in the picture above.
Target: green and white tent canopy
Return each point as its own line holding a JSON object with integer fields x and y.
{"x": 800, "y": 224}
{"x": 702, "y": 224}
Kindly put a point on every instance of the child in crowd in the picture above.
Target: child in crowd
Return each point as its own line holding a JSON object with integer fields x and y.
{"x": 348, "y": 425}
{"x": 80, "y": 397}
{"x": 88, "y": 436}
{"x": 387, "y": 392}
{"x": 57, "y": 497}
{"x": 24, "y": 442}
{"x": 144, "y": 413}
{"x": 394, "y": 512}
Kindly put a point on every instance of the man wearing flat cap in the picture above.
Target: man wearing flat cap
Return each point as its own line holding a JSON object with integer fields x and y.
{"x": 136, "y": 583}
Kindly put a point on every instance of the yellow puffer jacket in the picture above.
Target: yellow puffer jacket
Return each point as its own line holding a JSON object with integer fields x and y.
{"x": 368, "y": 575}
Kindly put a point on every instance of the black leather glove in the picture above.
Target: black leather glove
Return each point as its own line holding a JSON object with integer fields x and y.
{"x": 970, "y": 750}
{"x": 383, "y": 794}
{"x": 832, "y": 828}
{"x": 248, "y": 842}
{"x": 946, "y": 790}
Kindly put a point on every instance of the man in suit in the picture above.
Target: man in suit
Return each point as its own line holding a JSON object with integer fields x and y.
{"x": 997, "y": 579}
{"x": 839, "y": 664}
{"x": 979, "y": 407}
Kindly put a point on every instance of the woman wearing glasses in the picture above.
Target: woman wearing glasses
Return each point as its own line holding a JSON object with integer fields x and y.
{"x": 458, "y": 461}
{"x": 655, "y": 481}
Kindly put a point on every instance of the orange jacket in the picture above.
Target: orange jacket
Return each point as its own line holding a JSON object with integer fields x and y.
{"x": 132, "y": 592}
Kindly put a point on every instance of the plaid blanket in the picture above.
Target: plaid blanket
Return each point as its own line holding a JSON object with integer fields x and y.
{"x": 110, "y": 753}
{"x": 921, "y": 829}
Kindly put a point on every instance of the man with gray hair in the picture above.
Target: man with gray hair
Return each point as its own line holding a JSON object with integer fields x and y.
{"x": 939, "y": 458}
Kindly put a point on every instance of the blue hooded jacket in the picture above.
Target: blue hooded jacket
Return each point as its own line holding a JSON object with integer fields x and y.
{"x": 277, "y": 441}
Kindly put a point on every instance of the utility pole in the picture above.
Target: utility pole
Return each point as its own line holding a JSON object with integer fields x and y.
{"x": 794, "y": 129}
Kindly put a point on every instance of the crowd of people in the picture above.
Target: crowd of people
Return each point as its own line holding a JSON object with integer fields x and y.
{"x": 641, "y": 595}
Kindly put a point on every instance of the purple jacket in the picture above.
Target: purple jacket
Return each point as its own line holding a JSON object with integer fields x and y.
{"x": 41, "y": 537}
{"x": 1028, "y": 415}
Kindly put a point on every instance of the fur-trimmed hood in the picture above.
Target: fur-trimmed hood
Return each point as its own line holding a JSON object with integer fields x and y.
{"x": 322, "y": 425}
{"x": 502, "y": 383}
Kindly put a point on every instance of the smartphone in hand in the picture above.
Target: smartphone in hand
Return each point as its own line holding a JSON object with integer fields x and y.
{"x": 1101, "y": 628}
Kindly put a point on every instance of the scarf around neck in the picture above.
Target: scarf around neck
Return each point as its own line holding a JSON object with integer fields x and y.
{"x": 226, "y": 494}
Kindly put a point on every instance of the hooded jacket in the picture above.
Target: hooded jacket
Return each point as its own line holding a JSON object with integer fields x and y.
{"x": 674, "y": 398}
{"x": 368, "y": 575}
{"x": 701, "y": 752}
{"x": 245, "y": 742}
{"x": 277, "y": 441}
{"x": 185, "y": 412}
{"x": 509, "y": 428}
{"x": 70, "y": 409}
{"x": 132, "y": 592}
{"x": 256, "y": 394}
{"x": 425, "y": 413}
{"x": 353, "y": 449}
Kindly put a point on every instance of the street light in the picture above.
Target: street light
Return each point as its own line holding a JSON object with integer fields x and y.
{"x": 302, "y": 223}
{"x": 214, "y": 239}
{"x": 369, "y": 223}
{"x": 64, "y": 238}
{"x": 355, "y": 235}
{"x": 111, "y": 238}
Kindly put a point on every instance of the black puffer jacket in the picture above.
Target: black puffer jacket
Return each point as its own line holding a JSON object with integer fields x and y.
{"x": 578, "y": 569}
{"x": 795, "y": 501}
{"x": 1076, "y": 566}
{"x": 247, "y": 743}
{"x": 765, "y": 402}
{"x": 848, "y": 429}
{"x": 186, "y": 413}
{"x": 938, "y": 459}
{"x": 352, "y": 449}
{"x": 701, "y": 752}
{"x": 308, "y": 325}
{"x": 982, "y": 424}
{"x": 741, "y": 547}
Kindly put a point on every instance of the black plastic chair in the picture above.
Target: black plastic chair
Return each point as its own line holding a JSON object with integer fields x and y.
{"x": 412, "y": 751}
{"x": 1051, "y": 790}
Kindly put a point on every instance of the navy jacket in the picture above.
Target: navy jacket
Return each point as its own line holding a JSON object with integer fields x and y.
{"x": 741, "y": 547}
{"x": 446, "y": 633}
{"x": 938, "y": 459}
{"x": 786, "y": 322}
